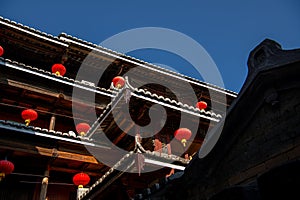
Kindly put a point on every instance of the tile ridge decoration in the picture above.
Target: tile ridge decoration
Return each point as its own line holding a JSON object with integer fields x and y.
{"x": 32, "y": 31}
{"x": 144, "y": 63}
{"x": 48, "y": 73}
{"x": 170, "y": 101}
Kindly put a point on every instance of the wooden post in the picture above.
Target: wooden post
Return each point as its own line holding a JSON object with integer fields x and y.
{"x": 52, "y": 122}
{"x": 44, "y": 186}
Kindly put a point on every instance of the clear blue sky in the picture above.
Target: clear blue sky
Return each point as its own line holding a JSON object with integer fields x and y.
{"x": 228, "y": 30}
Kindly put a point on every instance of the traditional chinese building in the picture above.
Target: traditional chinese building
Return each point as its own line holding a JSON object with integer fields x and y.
{"x": 53, "y": 139}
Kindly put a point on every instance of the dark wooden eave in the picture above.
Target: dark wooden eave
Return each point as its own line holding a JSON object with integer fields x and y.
{"x": 32, "y": 47}
{"x": 271, "y": 71}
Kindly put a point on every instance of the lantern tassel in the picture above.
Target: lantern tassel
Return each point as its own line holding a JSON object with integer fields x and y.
{"x": 183, "y": 141}
{"x": 45, "y": 180}
{"x": 82, "y": 133}
{"x": 27, "y": 121}
{"x": 2, "y": 176}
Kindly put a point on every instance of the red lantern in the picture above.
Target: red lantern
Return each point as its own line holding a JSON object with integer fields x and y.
{"x": 82, "y": 128}
{"x": 29, "y": 115}
{"x": 1, "y": 51}
{"x": 202, "y": 105}
{"x": 81, "y": 179}
{"x": 183, "y": 134}
{"x": 118, "y": 82}
{"x": 6, "y": 167}
{"x": 59, "y": 69}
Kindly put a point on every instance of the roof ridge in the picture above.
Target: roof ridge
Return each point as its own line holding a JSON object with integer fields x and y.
{"x": 45, "y": 130}
{"x": 145, "y": 62}
{"x": 82, "y": 82}
{"x": 32, "y": 30}
{"x": 178, "y": 103}
{"x": 122, "y": 55}
{"x": 172, "y": 101}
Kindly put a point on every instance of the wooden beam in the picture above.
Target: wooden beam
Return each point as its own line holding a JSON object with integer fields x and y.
{"x": 49, "y": 93}
{"x": 50, "y": 152}
{"x": 44, "y": 185}
{"x": 52, "y": 122}
{"x": 74, "y": 171}
{"x": 123, "y": 134}
{"x": 66, "y": 155}
{"x": 32, "y": 88}
{"x": 113, "y": 122}
{"x": 93, "y": 55}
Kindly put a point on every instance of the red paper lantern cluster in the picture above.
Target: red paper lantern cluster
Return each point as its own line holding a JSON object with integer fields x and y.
{"x": 29, "y": 115}
{"x": 202, "y": 105}
{"x": 1, "y": 51}
{"x": 58, "y": 69}
{"x": 6, "y": 167}
{"x": 118, "y": 82}
{"x": 81, "y": 179}
{"x": 183, "y": 134}
{"x": 82, "y": 128}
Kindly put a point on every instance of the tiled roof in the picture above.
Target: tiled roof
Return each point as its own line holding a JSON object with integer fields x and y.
{"x": 32, "y": 31}
{"x": 46, "y": 133}
{"x": 140, "y": 93}
{"x": 62, "y": 79}
{"x": 64, "y": 40}
{"x": 201, "y": 113}
{"x": 68, "y": 38}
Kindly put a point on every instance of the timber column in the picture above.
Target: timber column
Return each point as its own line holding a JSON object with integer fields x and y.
{"x": 44, "y": 186}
